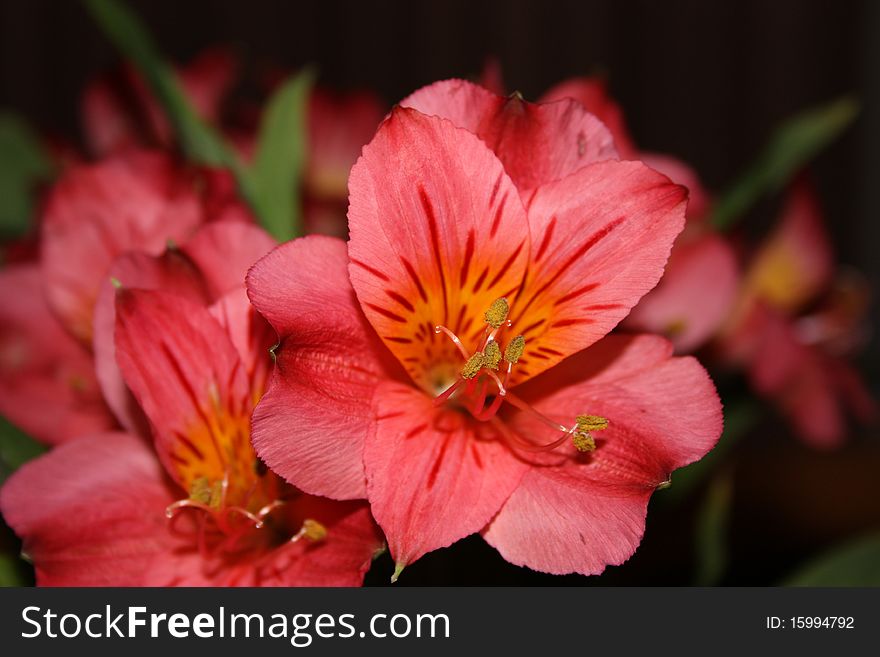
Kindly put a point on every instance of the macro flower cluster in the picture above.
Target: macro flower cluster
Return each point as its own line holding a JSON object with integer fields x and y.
{"x": 488, "y": 326}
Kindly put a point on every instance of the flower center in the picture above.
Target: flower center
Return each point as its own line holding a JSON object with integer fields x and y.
{"x": 481, "y": 385}
{"x": 263, "y": 516}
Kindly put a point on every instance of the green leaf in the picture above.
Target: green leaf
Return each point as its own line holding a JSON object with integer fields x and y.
{"x": 280, "y": 157}
{"x": 790, "y": 148}
{"x": 739, "y": 418}
{"x": 271, "y": 185}
{"x": 711, "y": 536}
{"x": 16, "y": 449}
{"x": 199, "y": 141}
{"x": 23, "y": 164}
{"x": 856, "y": 563}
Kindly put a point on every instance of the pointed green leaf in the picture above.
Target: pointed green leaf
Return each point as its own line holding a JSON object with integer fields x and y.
{"x": 712, "y": 527}
{"x": 856, "y": 563}
{"x": 790, "y": 148}
{"x": 280, "y": 158}
{"x": 199, "y": 141}
{"x": 23, "y": 164}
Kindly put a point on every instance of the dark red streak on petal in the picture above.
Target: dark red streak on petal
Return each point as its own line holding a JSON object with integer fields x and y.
{"x": 435, "y": 247}
{"x": 415, "y": 279}
{"x": 387, "y": 313}
{"x": 375, "y": 272}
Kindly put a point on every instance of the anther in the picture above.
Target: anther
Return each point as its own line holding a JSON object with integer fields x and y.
{"x": 312, "y": 530}
{"x": 497, "y": 313}
{"x": 492, "y": 355}
{"x": 514, "y": 350}
{"x": 583, "y": 441}
{"x": 473, "y": 365}
{"x": 591, "y": 423}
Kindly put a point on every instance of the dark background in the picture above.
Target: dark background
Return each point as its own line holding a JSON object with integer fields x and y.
{"x": 706, "y": 81}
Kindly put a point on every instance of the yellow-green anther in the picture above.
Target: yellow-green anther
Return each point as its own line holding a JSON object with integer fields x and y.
{"x": 514, "y": 350}
{"x": 492, "y": 355}
{"x": 497, "y": 313}
{"x": 314, "y": 530}
{"x": 583, "y": 441}
{"x": 473, "y": 365}
{"x": 591, "y": 423}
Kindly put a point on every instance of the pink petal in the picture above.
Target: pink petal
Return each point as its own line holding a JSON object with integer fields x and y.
{"x": 600, "y": 240}
{"x": 592, "y": 93}
{"x": 311, "y": 424}
{"x": 224, "y": 251}
{"x": 695, "y": 296}
{"x": 796, "y": 261}
{"x": 684, "y": 175}
{"x": 91, "y": 512}
{"x": 338, "y": 128}
{"x": 97, "y": 212}
{"x": 589, "y": 511}
{"x": 47, "y": 380}
{"x": 170, "y": 272}
{"x": 250, "y": 334}
{"x": 188, "y": 378}
{"x": 537, "y": 143}
{"x": 432, "y": 478}
{"x": 437, "y": 234}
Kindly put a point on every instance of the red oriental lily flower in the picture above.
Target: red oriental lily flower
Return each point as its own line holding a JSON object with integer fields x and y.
{"x": 200, "y": 509}
{"x": 425, "y": 367}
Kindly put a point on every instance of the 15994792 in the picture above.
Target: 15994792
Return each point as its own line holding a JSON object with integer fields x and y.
{"x": 810, "y": 622}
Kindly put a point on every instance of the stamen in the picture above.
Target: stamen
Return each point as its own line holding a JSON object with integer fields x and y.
{"x": 311, "y": 530}
{"x": 591, "y": 423}
{"x": 455, "y": 339}
{"x": 583, "y": 441}
{"x": 492, "y": 355}
{"x": 514, "y": 350}
{"x": 497, "y": 313}
{"x": 473, "y": 366}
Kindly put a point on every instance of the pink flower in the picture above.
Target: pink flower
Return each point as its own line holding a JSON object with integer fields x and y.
{"x": 796, "y": 323}
{"x": 439, "y": 367}
{"x": 198, "y": 508}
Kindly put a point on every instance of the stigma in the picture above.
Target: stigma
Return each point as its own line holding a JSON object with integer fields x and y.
{"x": 482, "y": 386}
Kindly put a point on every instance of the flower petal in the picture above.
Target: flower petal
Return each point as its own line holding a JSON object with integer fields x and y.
{"x": 311, "y": 424}
{"x": 224, "y": 251}
{"x": 683, "y": 307}
{"x": 91, "y": 512}
{"x": 536, "y": 143}
{"x": 600, "y": 240}
{"x": 47, "y": 381}
{"x": 592, "y": 93}
{"x": 187, "y": 376}
{"x": 437, "y": 234}
{"x": 796, "y": 262}
{"x": 97, "y": 212}
{"x": 432, "y": 478}
{"x": 170, "y": 272}
{"x": 663, "y": 413}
